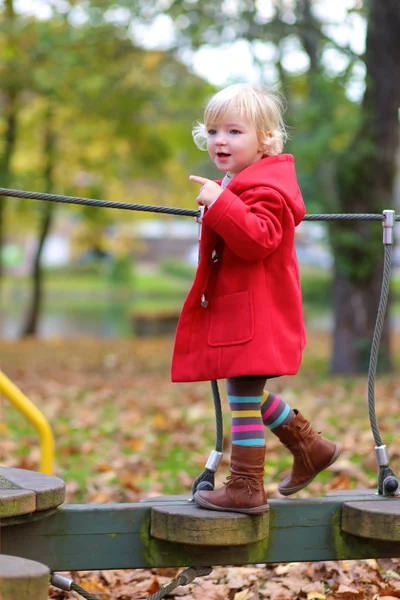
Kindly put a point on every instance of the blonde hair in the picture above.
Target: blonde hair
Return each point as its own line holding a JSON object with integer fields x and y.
{"x": 263, "y": 108}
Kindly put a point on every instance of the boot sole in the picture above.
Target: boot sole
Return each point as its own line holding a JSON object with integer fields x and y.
{"x": 297, "y": 488}
{"x": 257, "y": 510}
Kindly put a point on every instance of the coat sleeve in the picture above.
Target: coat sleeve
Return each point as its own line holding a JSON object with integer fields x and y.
{"x": 250, "y": 225}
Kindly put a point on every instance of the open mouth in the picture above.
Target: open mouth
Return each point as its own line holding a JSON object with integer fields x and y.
{"x": 222, "y": 155}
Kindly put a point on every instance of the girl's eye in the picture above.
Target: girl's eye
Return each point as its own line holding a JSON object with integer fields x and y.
{"x": 212, "y": 131}
{"x": 235, "y": 131}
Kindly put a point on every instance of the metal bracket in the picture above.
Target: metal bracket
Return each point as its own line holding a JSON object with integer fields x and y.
{"x": 61, "y": 582}
{"x": 214, "y": 461}
{"x": 388, "y": 226}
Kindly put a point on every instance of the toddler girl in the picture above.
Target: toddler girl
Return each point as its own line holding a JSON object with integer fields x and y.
{"x": 243, "y": 320}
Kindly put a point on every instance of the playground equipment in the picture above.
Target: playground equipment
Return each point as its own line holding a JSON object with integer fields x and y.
{"x": 171, "y": 531}
{"x": 35, "y": 417}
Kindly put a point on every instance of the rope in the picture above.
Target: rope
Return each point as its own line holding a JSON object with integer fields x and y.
{"x": 346, "y": 217}
{"x": 184, "y": 578}
{"x": 207, "y": 477}
{"x": 77, "y": 588}
{"x": 218, "y": 415}
{"x": 99, "y": 203}
{"x": 167, "y": 210}
{"x": 376, "y": 342}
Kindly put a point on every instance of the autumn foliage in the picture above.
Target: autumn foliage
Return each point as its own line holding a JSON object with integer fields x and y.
{"x": 112, "y": 402}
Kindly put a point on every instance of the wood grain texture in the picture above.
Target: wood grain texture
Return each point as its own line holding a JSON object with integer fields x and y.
{"x": 375, "y": 520}
{"x": 15, "y": 502}
{"x": 48, "y": 491}
{"x": 22, "y": 578}
{"x": 190, "y": 524}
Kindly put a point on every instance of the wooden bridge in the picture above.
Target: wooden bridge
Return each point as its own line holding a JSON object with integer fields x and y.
{"x": 171, "y": 531}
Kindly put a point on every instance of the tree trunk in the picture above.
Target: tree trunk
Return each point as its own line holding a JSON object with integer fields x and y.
{"x": 310, "y": 37}
{"x": 34, "y": 309}
{"x": 10, "y": 110}
{"x": 365, "y": 185}
{"x": 356, "y": 311}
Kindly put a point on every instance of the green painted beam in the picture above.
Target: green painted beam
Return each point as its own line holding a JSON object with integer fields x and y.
{"x": 117, "y": 536}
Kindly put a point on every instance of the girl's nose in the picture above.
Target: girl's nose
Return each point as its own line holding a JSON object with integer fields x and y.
{"x": 220, "y": 139}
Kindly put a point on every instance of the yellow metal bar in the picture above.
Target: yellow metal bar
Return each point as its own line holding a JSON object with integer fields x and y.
{"x": 33, "y": 414}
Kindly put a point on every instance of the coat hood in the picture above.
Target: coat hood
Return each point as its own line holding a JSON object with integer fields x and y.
{"x": 277, "y": 173}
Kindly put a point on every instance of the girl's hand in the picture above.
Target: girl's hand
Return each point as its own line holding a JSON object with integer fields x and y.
{"x": 209, "y": 190}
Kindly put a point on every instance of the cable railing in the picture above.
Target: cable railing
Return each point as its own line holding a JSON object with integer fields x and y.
{"x": 387, "y": 480}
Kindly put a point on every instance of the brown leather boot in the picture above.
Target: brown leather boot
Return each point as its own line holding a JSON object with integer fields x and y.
{"x": 312, "y": 453}
{"x": 244, "y": 490}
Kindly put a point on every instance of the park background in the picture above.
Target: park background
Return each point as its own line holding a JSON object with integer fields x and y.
{"x": 98, "y": 100}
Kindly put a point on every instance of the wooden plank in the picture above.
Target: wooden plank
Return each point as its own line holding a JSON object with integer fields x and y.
{"x": 27, "y": 518}
{"x": 117, "y": 536}
{"x": 373, "y": 520}
{"x": 21, "y": 578}
{"x": 49, "y": 490}
{"x": 168, "y": 499}
{"x": 14, "y": 501}
{"x": 189, "y": 524}
{"x": 371, "y": 493}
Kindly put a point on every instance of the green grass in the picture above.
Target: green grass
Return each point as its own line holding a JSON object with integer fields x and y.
{"x": 160, "y": 284}
{"x": 170, "y": 278}
{"x": 142, "y": 282}
{"x": 157, "y": 283}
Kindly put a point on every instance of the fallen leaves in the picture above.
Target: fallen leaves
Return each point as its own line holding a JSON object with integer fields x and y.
{"x": 112, "y": 402}
{"x": 339, "y": 580}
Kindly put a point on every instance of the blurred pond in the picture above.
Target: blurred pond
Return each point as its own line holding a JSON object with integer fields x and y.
{"x": 113, "y": 317}
{"x": 109, "y": 318}
{"x": 105, "y": 312}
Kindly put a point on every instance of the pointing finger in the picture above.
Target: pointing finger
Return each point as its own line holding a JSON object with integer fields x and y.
{"x": 200, "y": 180}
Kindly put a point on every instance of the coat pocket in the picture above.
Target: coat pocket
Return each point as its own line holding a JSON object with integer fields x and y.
{"x": 231, "y": 319}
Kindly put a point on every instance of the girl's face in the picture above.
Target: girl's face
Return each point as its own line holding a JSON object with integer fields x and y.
{"x": 233, "y": 144}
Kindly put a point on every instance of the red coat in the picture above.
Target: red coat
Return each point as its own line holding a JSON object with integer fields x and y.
{"x": 251, "y": 320}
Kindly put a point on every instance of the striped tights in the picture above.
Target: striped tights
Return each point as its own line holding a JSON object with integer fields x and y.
{"x": 252, "y": 410}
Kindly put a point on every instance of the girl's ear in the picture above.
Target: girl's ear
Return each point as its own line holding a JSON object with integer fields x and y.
{"x": 266, "y": 142}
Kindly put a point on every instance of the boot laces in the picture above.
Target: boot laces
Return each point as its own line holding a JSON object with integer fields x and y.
{"x": 251, "y": 484}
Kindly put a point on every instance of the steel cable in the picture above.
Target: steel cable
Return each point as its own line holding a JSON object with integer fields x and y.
{"x": 387, "y": 265}
{"x": 218, "y": 415}
{"x": 207, "y": 476}
{"x": 98, "y": 203}
{"x": 184, "y": 578}
{"x": 196, "y": 213}
{"x": 87, "y": 595}
{"x": 165, "y": 209}
{"x": 345, "y": 217}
